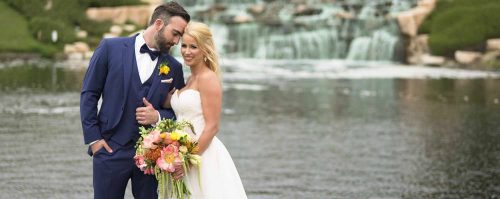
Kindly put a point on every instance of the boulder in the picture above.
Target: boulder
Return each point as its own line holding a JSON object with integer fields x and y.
{"x": 493, "y": 44}
{"x": 467, "y": 57}
{"x": 69, "y": 48}
{"x": 129, "y": 27}
{"x": 242, "y": 19}
{"x": 432, "y": 60}
{"x": 256, "y": 9}
{"x": 81, "y": 47}
{"x": 119, "y": 15}
{"x": 109, "y": 35}
{"x": 116, "y": 30}
{"x": 81, "y": 34}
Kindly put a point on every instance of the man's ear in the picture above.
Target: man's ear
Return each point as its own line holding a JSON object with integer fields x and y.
{"x": 159, "y": 24}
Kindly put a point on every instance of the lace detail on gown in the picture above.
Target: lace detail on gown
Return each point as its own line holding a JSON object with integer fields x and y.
{"x": 219, "y": 178}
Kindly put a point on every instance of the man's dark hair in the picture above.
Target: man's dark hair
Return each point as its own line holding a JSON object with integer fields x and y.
{"x": 167, "y": 10}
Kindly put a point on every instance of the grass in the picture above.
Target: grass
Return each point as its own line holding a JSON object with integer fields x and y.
{"x": 15, "y": 35}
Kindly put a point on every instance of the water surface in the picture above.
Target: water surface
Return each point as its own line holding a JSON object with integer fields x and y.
{"x": 295, "y": 130}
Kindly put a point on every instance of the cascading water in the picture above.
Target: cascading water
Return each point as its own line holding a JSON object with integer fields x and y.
{"x": 300, "y": 29}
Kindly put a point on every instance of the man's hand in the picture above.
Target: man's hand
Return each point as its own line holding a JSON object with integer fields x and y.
{"x": 99, "y": 144}
{"x": 146, "y": 115}
{"x": 179, "y": 171}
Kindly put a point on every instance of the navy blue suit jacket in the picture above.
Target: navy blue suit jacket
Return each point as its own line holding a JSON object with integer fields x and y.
{"x": 108, "y": 76}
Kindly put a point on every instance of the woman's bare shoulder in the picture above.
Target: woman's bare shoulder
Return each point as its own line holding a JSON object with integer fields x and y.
{"x": 208, "y": 80}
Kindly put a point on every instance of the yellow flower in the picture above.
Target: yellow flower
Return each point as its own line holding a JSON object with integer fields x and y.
{"x": 164, "y": 69}
{"x": 169, "y": 158}
{"x": 174, "y": 136}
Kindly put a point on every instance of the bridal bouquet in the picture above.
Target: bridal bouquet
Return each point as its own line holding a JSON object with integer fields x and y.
{"x": 159, "y": 149}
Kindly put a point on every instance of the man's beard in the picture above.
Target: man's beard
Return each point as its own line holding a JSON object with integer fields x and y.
{"x": 161, "y": 42}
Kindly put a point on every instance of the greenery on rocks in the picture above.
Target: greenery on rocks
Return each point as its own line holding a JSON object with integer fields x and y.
{"x": 461, "y": 24}
{"x": 31, "y": 23}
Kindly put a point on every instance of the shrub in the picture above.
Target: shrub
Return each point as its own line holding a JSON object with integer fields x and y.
{"x": 109, "y": 3}
{"x": 29, "y": 8}
{"x": 42, "y": 27}
{"x": 461, "y": 24}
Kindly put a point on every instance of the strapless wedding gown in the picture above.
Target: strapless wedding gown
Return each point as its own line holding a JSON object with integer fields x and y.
{"x": 219, "y": 178}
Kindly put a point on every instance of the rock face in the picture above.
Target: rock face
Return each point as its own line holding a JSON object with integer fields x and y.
{"x": 418, "y": 49}
{"x": 417, "y": 46}
{"x": 410, "y": 20}
{"x": 119, "y": 15}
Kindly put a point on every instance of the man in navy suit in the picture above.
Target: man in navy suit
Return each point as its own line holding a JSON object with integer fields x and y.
{"x": 124, "y": 73}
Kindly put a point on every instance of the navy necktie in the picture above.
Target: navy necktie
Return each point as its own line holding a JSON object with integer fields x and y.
{"x": 152, "y": 54}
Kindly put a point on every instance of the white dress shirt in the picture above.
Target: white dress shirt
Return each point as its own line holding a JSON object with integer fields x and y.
{"x": 145, "y": 65}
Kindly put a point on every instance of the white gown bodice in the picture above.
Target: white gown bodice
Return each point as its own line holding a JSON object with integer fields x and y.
{"x": 187, "y": 106}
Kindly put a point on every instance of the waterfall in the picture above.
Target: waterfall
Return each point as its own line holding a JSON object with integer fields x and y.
{"x": 342, "y": 29}
{"x": 378, "y": 47}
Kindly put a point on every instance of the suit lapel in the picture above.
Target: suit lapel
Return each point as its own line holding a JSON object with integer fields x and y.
{"x": 156, "y": 79}
{"x": 128, "y": 63}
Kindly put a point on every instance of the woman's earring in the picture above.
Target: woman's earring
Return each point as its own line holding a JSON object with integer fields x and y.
{"x": 205, "y": 59}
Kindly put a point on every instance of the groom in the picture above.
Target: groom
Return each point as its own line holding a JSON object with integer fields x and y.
{"x": 124, "y": 73}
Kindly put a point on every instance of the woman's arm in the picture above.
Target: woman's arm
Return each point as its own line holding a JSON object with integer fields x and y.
{"x": 166, "y": 104}
{"x": 211, "y": 104}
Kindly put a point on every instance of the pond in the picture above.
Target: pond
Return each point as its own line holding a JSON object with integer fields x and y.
{"x": 295, "y": 129}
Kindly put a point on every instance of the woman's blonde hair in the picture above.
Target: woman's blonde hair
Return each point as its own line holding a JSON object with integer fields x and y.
{"x": 203, "y": 36}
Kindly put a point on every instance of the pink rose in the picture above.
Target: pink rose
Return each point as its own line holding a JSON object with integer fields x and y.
{"x": 139, "y": 162}
{"x": 150, "y": 140}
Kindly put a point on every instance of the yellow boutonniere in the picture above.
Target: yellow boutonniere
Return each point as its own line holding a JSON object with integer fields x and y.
{"x": 164, "y": 69}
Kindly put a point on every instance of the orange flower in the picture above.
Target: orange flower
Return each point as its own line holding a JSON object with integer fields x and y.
{"x": 153, "y": 154}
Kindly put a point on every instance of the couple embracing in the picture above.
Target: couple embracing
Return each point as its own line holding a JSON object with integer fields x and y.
{"x": 124, "y": 73}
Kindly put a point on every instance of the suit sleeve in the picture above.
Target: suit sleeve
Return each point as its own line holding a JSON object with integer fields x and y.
{"x": 178, "y": 83}
{"x": 92, "y": 88}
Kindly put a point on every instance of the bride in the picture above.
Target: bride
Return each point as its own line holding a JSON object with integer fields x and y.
{"x": 199, "y": 102}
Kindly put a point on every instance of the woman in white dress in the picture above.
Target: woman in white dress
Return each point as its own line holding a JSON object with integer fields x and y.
{"x": 200, "y": 103}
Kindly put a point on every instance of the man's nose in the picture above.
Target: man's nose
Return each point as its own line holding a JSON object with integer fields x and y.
{"x": 177, "y": 39}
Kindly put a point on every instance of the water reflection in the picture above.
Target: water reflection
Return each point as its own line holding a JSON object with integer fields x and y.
{"x": 44, "y": 78}
{"x": 290, "y": 138}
